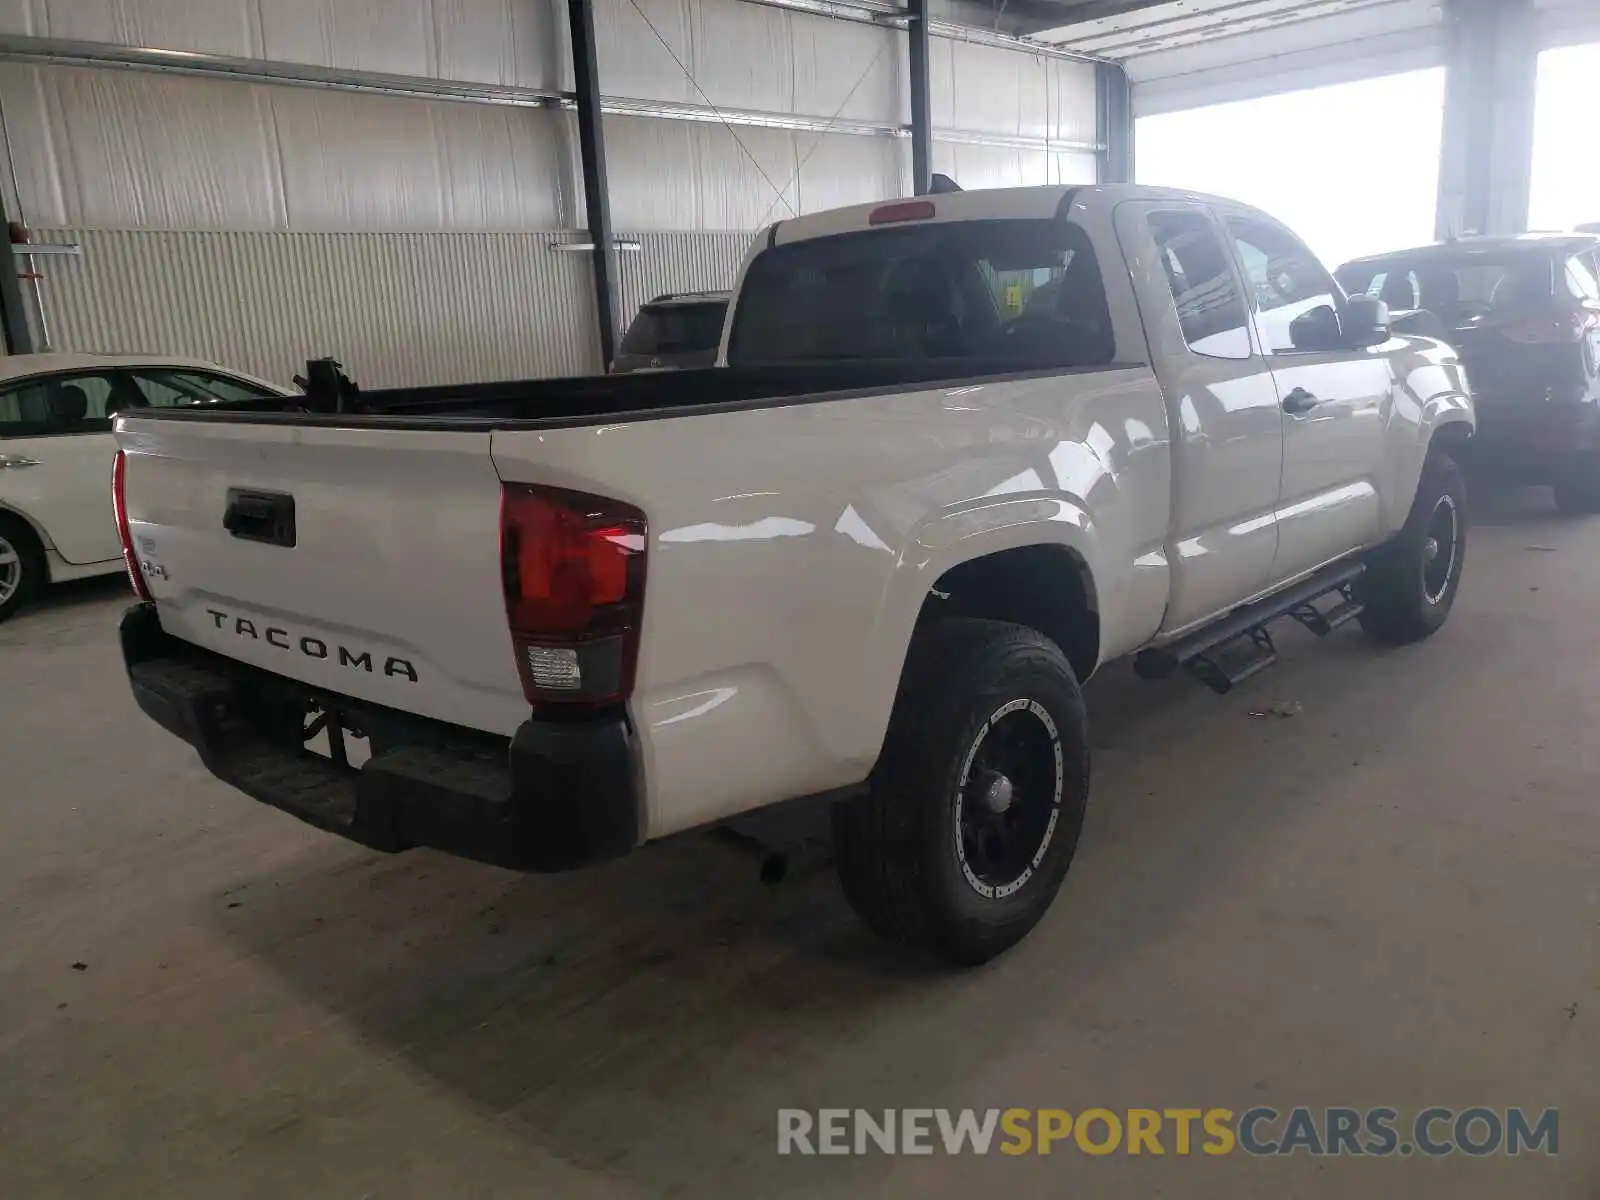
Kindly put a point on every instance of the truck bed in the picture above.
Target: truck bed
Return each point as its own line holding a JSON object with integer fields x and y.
{"x": 593, "y": 399}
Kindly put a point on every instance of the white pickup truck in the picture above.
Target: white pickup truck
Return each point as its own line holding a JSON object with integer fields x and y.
{"x": 962, "y": 451}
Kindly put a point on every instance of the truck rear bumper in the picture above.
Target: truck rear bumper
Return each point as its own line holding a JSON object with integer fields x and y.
{"x": 552, "y": 797}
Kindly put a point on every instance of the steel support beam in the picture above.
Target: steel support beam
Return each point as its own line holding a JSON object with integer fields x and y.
{"x": 1486, "y": 155}
{"x": 921, "y": 99}
{"x": 14, "y": 326}
{"x": 596, "y": 196}
{"x": 1114, "y": 120}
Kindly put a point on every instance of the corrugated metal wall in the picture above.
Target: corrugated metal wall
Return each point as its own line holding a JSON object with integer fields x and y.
{"x": 228, "y": 196}
{"x": 395, "y": 308}
{"x": 679, "y": 262}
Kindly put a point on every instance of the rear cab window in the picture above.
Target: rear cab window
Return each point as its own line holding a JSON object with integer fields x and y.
{"x": 986, "y": 296}
{"x": 676, "y": 328}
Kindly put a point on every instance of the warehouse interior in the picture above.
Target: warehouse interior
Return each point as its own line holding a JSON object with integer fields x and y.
{"x": 1364, "y": 880}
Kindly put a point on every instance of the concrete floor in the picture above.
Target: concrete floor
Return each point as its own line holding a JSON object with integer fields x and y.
{"x": 1389, "y": 899}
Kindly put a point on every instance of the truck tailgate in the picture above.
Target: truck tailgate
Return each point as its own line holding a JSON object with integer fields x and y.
{"x": 362, "y": 561}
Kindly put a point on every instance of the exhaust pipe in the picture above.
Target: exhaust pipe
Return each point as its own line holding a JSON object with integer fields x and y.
{"x": 774, "y": 865}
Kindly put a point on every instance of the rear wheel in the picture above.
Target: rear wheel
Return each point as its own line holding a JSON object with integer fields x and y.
{"x": 1410, "y": 584}
{"x": 22, "y": 567}
{"x": 975, "y": 808}
{"x": 1578, "y": 486}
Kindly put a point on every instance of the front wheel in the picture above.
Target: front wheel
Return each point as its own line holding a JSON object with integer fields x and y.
{"x": 1410, "y": 584}
{"x": 976, "y": 805}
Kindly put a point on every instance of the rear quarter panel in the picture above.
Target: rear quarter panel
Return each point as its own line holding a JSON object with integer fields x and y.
{"x": 792, "y": 547}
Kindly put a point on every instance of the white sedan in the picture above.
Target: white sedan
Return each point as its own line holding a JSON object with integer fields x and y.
{"x": 56, "y": 452}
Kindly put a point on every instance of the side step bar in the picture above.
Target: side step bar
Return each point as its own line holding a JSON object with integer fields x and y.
{"x": 1227, "y": 652}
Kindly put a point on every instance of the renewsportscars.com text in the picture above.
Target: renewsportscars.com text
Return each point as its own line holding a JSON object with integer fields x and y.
{"x": 1262, "y": 1132}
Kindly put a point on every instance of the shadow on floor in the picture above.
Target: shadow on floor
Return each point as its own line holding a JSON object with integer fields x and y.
{"x": 614, "y": 1016}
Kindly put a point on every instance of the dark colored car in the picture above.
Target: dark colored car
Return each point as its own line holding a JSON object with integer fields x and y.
{"x": 1524, "y": 313}
{"x": 674, "y": 332}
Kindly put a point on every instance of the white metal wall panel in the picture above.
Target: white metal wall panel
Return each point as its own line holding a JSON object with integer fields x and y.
{"x": 977, "y": 167}
{"x": 745, "y": 180}
{"x": 986, "y": 89}
{"x": 1074, "y": 95}
{"x": 838, "y": 169}
{"x": 679, "y": 175}
{"x": 749, "y": 56}
{"x": 119, "y": 149}
{"x": 508, "y": 42}
{"x": 833, "y": 57}
{"x": 396, "y": 309}
{"x": 678, "y": 262}
{"x": 214, "y": 26}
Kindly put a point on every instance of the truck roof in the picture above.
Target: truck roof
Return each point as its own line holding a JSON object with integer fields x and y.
{"x": 1039, "y": 202}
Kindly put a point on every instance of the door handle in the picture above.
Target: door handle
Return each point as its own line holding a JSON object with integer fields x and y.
{"x": 9, "y": 462}
{"x": 1299, "y": 401}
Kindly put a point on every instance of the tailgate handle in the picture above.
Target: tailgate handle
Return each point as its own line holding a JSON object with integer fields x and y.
{"x": 260, "y": 517}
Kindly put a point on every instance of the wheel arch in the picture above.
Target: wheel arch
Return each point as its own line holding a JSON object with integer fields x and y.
{"x": 11, "y": 510}
{"x": 1048, "y": 587}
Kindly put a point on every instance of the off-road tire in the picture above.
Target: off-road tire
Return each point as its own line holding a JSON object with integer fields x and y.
{"x": 899, "y": 848}
{"x": 1406, "y": 593}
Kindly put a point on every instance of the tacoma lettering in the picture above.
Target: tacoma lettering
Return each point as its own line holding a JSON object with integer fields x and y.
{"x": 313, "y": 647}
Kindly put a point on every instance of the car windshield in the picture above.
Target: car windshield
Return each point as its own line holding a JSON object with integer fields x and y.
{"x": 676, "y": 328}
{"x": 1023, "y": 293}
{"x": 1463, "y": 291}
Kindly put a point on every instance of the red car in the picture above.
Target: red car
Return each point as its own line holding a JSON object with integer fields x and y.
{"x": 1524, "y": 313}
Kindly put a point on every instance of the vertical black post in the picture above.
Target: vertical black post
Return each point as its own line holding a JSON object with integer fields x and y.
{"x": 596, "y": 198}
{"x": 1114, "y": 122}
{"x": 13, "y": 310}
{"x": 921, "y": 106}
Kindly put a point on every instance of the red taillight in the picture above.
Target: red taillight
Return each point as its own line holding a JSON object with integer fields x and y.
{"x": 119, "y": 506}
{"x": 572, "y": 566}
{"x": 1553, "y": 329}
{"x": 907, "y": 210}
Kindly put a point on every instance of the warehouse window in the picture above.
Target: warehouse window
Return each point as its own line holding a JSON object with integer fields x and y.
{"x": 996, "y": 293}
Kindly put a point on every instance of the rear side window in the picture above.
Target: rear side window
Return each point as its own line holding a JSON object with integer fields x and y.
{"x": 1200, "y": 274}
{"x": 1285, "y": 278}
{"x": 52, "y": 406}
{"x": 675, "y": 329}
{"x": 175, "y": 389}
{"x": 992, "y": 294}
{"x": 1581, "y": 281}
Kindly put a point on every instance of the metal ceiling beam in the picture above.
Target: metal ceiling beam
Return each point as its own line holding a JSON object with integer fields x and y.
{"x": 102, "y": 56}
{"x": 596, "y": 188}
{"x": 921, "y": 100}
{"x": 1085, "y": 11}
{"x": 889, "y": 15}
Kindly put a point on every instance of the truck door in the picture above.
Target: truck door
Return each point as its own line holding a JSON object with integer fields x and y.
{"x": 1335, "y": 402}
{"x": 1222, "y": 407}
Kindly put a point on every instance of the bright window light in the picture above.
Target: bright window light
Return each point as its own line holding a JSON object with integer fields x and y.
{"x": 1353, "y": 168}
{"x": 1566, "y": 167}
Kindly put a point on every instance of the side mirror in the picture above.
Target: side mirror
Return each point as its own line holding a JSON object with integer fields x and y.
{"x": 1366, "y": 322}
{"x": 1317, "y": 329}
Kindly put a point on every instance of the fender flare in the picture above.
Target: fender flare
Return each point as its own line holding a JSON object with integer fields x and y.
{"x": 949, "y": 539}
